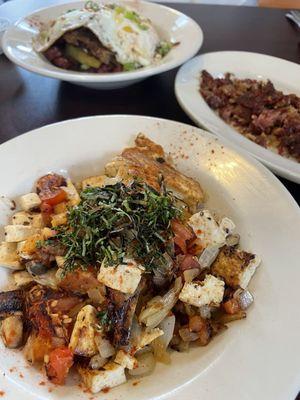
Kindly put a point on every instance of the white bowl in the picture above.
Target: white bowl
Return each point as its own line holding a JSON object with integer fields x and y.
{"x": 170, "y": 24}
{"x": 256, "y": 358}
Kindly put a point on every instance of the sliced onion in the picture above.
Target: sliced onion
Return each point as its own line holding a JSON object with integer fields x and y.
{"x": 104, "y": 346}
{"x": 96, "y": 362}
{"x": 159, "y": 307}
{"x": 244, "y": 298}
{"x": 205, "y": 312}
{"x": 208, "y": 256}
{"x": 233, "y": 240}
{"x": 160, "y": 351}
{"x": 162, "y": 272}
{"x": 47, "y": 279}
{"x": 145, "y": 365}
{"x": 167, "y": 325}
{"x": 190, "y": 274}
{"x": 188, "y": 336}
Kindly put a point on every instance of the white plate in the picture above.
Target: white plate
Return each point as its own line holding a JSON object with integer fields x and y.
{"x": 257, "y": 358}
{"x": 284, "y": 75}
{"x": 170, "y": 24}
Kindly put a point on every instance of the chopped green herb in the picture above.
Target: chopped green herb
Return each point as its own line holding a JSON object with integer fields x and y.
{"x": 164, "y": 48}
{"x": 91, "y": 6}
{"x": 131, "y": 66}
{"x": 103, "y": 318}
{"x": 117, "y": 221}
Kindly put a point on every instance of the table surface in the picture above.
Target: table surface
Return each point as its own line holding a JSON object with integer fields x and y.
{"x": 29, "y": 101}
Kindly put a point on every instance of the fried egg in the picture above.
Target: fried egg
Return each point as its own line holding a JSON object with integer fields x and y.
{"x": 130, "y": 36}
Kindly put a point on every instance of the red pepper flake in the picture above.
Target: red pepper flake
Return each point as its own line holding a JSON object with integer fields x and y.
{"x": 42, "y": 383}
{"x": 105, "y": 390}
{"x": 2, "y": 393}
{"x": 21, "y": 375}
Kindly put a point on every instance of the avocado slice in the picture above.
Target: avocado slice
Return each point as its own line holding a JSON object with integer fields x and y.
{"x": 80, "y": 56}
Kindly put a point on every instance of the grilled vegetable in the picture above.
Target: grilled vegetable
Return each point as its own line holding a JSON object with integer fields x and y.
{"x": 60, "y": 362}
{"x": 82, "y": 57}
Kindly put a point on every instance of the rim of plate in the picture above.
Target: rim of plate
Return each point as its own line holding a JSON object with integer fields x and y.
{"x": 266, "y": 178}
{"x": 280, "y": 165}
{"x": 258, "y": 165}
{"x": 73, "y": 76}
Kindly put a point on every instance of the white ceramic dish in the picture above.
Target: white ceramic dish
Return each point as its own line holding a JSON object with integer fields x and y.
{"x": 257, "y": 358}
{"x": 170, "y": 24}
{"x": 284, "y": 75}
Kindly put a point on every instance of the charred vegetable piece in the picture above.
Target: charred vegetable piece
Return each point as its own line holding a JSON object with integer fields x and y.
{"x": 60, "y": 362}
{"x": 11, "y": 302}
{"x": 12, "y": 331}
{"x": 82, "y": 57}
{"x": 120, "y": 313}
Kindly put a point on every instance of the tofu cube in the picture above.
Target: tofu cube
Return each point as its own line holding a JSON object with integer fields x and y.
{"x": 235, "y": 266}
{"x": 30, "y": 201}
{"x": 124, "y": 277}
{"x": 59, "y": 219}
{"x": 72, "y": 194}
{"x": 9, "y": 257}
{"x": 18, "y": 233}
{"x": 208, "y": 230}
{"x": 208, "y": 292}
{"x": 126, "y": 360}
{"x": 82, "y": 340}
{"x": 109, "y": 376}
{"x": 29, "y": 219}
{"x": 99, "y": 181}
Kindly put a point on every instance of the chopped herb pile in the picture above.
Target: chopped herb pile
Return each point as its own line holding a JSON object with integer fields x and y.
{"x": 117, "y": 221}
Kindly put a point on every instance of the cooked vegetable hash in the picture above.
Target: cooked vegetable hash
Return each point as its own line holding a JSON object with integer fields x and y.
{"x": 114, "y": 273}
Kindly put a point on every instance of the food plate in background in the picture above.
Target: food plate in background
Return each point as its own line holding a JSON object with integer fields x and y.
{"x": 283, "y": 74}
{"x": 170, "y": 24}
{"x": 241, "y": 362}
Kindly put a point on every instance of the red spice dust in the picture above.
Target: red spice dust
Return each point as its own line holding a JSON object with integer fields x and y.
{"x": 21, "y": 375}
{"x": 136, "y": 383}
{"x": 42, "y": 383}
{"x": 105, "y": 390}
{"x": 212, "y": 152}
{"x": 2, "y": 393}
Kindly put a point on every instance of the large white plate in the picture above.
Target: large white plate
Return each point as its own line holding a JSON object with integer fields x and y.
{"x": 284, "y": 75}
{"x": 170, "y": 24}
{"x": 257, "y": 358}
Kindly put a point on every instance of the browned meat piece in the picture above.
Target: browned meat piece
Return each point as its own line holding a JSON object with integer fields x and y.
{"x": 53, "y": 52}
{"x": 121, "y": 309}
{"x": 147, "y": 161}
{"x": 86, "y": 39}
{"x": 49, "y": 183}
{"x": 257, "y": 110}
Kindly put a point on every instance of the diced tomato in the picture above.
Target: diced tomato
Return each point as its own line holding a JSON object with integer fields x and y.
{"x": 55, "y": 197}
{"x": 182, "y": 234}
{"x": 188, "y": 261}
{"x": 49, "y": 189}
{"x": 231, "y": 306}
{"x": 46, "y": 210}
{"x": 60, "y": 362}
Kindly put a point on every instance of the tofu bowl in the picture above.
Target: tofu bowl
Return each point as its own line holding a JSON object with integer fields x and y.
{"x": 232, "y": 194}
{"x": 103, "y": 44}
